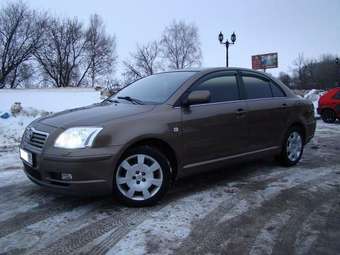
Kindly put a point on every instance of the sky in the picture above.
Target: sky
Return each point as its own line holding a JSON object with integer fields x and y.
{"x": 288, "y": 27}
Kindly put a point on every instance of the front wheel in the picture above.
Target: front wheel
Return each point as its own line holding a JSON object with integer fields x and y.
{"x": 292, "y": 147}
{"x": 142, "y": 177}
{"x": 328, "y": 116}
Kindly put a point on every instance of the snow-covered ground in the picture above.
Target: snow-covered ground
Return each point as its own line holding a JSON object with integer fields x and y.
{"x": 36, "y": 102}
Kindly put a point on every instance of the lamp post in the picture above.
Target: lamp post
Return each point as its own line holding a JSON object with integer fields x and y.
{"x": 227, "y": 43}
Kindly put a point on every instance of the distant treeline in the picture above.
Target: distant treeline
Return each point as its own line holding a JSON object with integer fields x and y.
{"x": 322, "y": 73}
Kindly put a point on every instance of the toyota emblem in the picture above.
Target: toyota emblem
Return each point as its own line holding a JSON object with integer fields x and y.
{"x": 29, "y": 133}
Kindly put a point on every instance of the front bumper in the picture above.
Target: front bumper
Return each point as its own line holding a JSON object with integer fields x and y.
{"x": 92, "y": 172}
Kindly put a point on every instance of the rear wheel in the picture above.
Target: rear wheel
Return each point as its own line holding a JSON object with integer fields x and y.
{"x": 292, "y": 147}
{"x": 142, "y": 177}
{"x": 328, "y": 116}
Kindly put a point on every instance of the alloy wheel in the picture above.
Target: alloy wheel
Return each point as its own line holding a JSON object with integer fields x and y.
{"x": 139, "y": 177}
{"x": 294, "y": 146}
{"x": 328, "y": 116}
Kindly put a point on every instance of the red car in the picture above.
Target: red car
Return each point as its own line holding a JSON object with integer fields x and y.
{"x": 329, "y": 105}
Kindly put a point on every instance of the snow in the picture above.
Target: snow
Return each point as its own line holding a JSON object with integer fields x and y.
{"x": 265, "y": 240}
{"x": 173, "y": 223}
{"x": 314, "y": 95}
{"x": 9, "y": 160}
{"x": 35, "y": 103}
{"x": 49, "y": 99}
{"x": 167, "y": 228}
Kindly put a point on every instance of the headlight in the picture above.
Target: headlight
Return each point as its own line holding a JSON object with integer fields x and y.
{"x": 77, "y": 137}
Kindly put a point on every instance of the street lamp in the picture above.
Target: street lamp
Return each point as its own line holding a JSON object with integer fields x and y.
{"x": 227, "y": 43}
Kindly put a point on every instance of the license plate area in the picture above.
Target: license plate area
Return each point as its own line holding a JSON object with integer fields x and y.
{"x": 26, "y": 156}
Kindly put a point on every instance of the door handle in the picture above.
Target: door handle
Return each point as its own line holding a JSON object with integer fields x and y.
{"x": 284, "y": 105}
{"x": 240, "y": 113}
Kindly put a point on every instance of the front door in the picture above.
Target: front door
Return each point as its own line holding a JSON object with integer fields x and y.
{"x": 216, "y": 129}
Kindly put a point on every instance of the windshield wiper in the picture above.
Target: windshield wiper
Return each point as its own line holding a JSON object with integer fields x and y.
{"x": 131, "y": 99}
{"x": 110, "y": 100}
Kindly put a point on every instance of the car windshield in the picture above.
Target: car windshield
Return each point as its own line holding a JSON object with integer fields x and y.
{"x": 154, "y": 89}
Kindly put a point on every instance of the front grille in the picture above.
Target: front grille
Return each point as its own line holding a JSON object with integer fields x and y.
{"x": 35, "y": 137}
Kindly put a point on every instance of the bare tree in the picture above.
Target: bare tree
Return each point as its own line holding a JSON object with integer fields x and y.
{"x": 181, "y": 45}
{"x": 322, "y": 73}
{"x": 62, "y": 56}
{"x": 101, "y": 50}
{"x": 285, "y": 78}
{"x": 22, "y": 75}
{"x": 20, "y": 36}
{"x": 143, "y": 62}
{"x": 300, "y": 71}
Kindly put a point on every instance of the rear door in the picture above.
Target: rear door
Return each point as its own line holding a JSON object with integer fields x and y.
{"x": 218, "y": 128}
{"x": 267, "y": 111}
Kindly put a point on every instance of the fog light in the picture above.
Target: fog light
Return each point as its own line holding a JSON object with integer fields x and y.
{"x": 66, "y": 177}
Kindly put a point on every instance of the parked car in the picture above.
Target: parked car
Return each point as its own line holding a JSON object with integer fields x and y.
{"x": 136, "y": 143}
{"x": 329, "y": 105}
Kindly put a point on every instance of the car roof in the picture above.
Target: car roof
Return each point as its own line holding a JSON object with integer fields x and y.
{"x": 201, "y": 72}
{"x": 214, "y": 69}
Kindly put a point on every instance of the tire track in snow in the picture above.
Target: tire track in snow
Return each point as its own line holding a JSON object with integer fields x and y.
{"x": 105, "y": 243}
{"x": 312, "y": 227}
{"x": 100, "y": 236}
{"x": 210, "y": 232}
{"x": 46, "y": 231}
{"x": 327, "y": 241}
{"x": 174, "y": 220}
{"x": 77, "y": 239}
{"x": 37, "y": 214}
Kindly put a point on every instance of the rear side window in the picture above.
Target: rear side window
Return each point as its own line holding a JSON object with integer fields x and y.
{"x": 222, "y": 88}
{"x": 337, "y": 95}
{"x": 256, "y": 87}
{"x": 277, "y": 91}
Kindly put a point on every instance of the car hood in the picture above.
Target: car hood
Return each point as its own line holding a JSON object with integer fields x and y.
{"x": 93, "y": 115}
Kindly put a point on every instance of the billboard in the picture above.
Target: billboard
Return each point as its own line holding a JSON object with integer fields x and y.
{"x": 264, "y": 61}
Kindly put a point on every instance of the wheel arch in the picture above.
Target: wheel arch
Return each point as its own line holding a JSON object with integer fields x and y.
{"x": 328, "y": 108}
{"x": 161, "y": 145}
{"x": 302, "y": 127}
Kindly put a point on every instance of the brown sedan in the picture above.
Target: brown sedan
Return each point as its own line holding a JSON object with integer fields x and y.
{"x": 167, "y": 125}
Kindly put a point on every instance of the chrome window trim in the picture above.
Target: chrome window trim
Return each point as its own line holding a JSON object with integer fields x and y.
{"x": 233, "y": 101}
{"x": 229, "y": 157}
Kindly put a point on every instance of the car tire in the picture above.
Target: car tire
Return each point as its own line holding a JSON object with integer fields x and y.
{"x": 328, "y": 116}
{"x": 292, "y": 147}
{"x": 142, "y": 177}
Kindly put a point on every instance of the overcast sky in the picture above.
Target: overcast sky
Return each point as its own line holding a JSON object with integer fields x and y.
{"x": 289, "y": 27}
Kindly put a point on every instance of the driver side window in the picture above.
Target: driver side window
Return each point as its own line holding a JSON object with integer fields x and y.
{"x": 222, "y": 88}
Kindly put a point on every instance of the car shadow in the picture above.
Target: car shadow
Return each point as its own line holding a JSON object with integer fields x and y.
{"x": 183, "y": 187}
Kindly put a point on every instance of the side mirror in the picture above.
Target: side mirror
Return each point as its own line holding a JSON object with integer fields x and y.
{"x": 197, "y": 97}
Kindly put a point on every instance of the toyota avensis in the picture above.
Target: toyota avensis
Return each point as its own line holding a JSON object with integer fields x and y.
{"x": 136, "y": 143}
